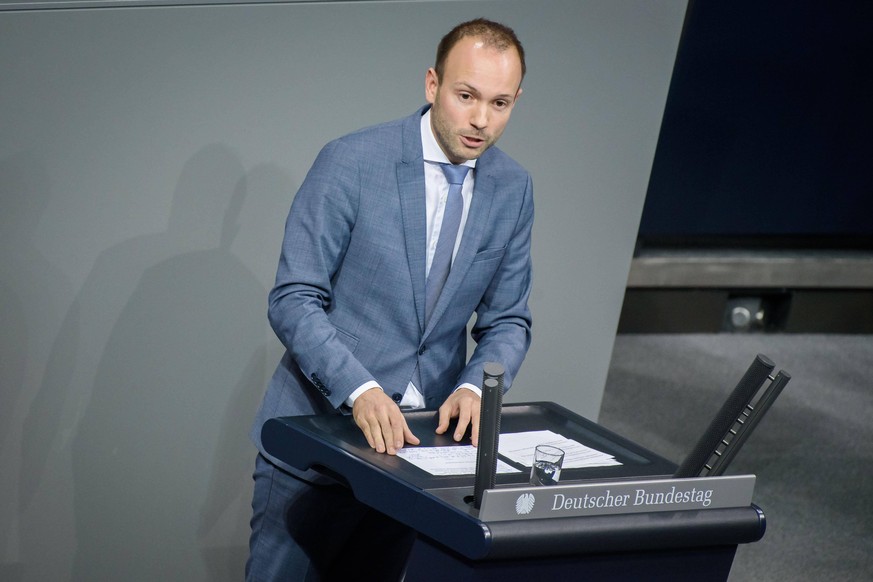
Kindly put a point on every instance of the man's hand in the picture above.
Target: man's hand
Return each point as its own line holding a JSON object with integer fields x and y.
{"x": 382, "y": 422}
{"x": 464, "y": 405}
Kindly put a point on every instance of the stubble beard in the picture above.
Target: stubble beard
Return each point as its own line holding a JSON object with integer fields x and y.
{"x": 450, "y": 140}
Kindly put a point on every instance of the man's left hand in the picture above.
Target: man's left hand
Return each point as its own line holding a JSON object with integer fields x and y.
{"x": 464, "y": 405}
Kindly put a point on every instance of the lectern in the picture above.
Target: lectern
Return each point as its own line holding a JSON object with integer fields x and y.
{"x": 668, "y": 542}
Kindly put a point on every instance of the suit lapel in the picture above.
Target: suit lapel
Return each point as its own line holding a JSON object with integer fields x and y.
{"x": 411, "y": 189}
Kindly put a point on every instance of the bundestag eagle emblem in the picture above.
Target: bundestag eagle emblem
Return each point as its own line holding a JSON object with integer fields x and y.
{"x": 524, "y": 504}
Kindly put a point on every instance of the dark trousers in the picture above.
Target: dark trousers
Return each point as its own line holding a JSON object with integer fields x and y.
{"x": 305, "y": 532}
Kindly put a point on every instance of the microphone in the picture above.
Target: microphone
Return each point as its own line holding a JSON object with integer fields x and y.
{"x": 744, "y": 425}
{"x": 489, "y": 430}
{"x": 745, "y": 390}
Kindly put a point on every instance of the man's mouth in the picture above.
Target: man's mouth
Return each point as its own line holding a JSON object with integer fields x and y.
{"x": 472, "y": 141}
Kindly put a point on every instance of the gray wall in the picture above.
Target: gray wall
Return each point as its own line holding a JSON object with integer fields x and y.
{"x": 148, "y": 157}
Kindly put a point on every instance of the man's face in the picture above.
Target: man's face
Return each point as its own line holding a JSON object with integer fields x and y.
{"x": 473, "y": 100}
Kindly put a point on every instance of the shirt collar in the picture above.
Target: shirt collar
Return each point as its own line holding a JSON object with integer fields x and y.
{"x": 431, "y": 150}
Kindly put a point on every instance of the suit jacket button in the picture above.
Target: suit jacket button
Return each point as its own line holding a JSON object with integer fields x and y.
{"x": 421, "y": 350}
{"x": 397, "y": 397}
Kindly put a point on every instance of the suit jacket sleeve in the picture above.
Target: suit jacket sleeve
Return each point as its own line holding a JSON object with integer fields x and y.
{"x": 502, "y": 330}
{"x": 317, "y": 234}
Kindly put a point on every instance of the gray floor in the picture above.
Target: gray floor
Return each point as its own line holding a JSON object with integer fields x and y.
{"x": 812, "y": 453}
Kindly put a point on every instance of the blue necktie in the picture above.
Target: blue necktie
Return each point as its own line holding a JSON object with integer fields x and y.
{"x": 442, "y": 258}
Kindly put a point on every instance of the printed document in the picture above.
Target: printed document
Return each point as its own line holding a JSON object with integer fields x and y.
{"x": 456, "y": 460}
{"x": 518, "y": 447}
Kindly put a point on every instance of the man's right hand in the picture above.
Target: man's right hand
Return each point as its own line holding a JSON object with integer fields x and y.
{"x": 382, "y": 422}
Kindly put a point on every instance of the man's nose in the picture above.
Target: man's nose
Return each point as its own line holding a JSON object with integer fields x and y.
{"x": 479, "y": 118}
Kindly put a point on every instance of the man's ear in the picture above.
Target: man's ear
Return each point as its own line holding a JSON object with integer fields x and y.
{"x": 431, "y": 84}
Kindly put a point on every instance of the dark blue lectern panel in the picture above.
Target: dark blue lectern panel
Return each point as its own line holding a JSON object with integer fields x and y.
{"x": 454, "y": 539}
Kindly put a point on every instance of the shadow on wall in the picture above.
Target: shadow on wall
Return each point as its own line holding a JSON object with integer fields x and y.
{"x": 160, "y": 362}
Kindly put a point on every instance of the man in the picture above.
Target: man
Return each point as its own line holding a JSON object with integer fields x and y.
{"x": 370, "y": 320}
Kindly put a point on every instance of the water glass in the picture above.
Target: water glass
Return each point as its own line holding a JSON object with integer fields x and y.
{"x": 546, "y": 469}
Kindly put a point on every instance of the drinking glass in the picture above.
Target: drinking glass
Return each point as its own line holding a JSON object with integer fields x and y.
{"x": 546, "y": 469}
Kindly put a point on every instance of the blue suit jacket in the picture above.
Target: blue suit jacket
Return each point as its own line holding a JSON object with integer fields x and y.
{"x": 349, "y": 298}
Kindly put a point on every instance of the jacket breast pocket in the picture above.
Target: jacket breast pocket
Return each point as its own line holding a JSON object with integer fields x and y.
{"x": 489, "y": 255}
{"x": 484, "y": 265}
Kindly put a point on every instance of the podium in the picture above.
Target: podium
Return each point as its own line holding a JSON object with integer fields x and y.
{"x": 453, "y": 543}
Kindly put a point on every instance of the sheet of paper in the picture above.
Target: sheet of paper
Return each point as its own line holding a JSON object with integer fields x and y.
{"x": 519, "y": 447}
{"x": 457, "y": 460}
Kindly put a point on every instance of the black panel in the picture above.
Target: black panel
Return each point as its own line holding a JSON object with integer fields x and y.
{"x": 766, "y": 137}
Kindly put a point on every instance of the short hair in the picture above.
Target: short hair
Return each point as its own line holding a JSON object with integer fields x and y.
{"x": 493, "y": 34}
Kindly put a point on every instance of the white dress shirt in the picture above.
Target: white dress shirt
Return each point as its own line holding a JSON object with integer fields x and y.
{"x": 436, "y": 188}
